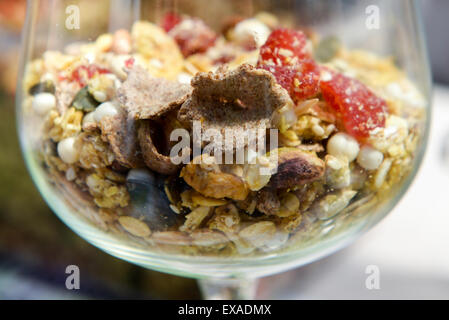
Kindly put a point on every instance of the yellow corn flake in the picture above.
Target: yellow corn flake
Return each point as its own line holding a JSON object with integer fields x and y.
{"x": 56, "y": 61}
{"x": 198, "y": 63}
{"x": 160, "y": 51}
{"x": 369, "y": 68}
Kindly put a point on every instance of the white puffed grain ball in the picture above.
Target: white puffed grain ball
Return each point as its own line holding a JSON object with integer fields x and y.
{"x": 369, "y": 158}
{"x": 342, "y": 145}
{"x": 100, "y": 96}
{"x": 44, "y": 102}
{"x": 67, "y": 150}
{"x": 251, "y": 30}
{"x": 106, "y": 109}
{"x": 88, "y": 119}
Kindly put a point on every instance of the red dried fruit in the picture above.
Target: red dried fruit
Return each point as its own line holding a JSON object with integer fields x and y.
{"x": 359, "y": 109}
{"x": 170, "y": 20}
{"x": 83, "y": 73}
{"x": 193, "y": 36}
{"x": 129, "y": 63}
{"x": 300, "y": 80}
{"x": 284, "y": 47}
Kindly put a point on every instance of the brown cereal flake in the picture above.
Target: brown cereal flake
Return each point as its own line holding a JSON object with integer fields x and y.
{"x": 120, "y": 131}
{"x": 151, "y": 156}
{"x": 236, "y": 100}
{"x": 146, "y": 97}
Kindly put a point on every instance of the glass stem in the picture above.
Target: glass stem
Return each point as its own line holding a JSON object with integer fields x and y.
{"x": 228, "y": 289}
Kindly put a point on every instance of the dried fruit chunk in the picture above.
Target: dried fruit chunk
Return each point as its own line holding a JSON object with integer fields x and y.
{"x": 207, "y": 179}
{"x": 295, "y": 167}
{"x": 301, "y": 80}
{"x": 235, "y": 100}
{"x": 360, "y": 110}
{"x": 170, "y": 20}
{"x": 83, "y": 73}
{"x": 152, "y": 157}
{"x": 284, "y": 47}
{"x": 146, "y": 97}
{"x": 193, "y": 36}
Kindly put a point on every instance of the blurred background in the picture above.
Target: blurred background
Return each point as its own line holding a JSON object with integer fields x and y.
{"x": 409, "y": 247}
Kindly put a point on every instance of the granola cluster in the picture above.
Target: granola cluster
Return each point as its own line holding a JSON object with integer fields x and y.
{"x": 319, "y": 134}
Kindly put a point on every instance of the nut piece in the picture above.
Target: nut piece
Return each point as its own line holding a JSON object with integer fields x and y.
{"x": 134, "y": 226}
{"x": 195, "y": 218}
{"x": 204, "y": 175}
{"x": 153, "y": 159}
{"x": 268, "y": 201}
{"x": 295, "y": 167}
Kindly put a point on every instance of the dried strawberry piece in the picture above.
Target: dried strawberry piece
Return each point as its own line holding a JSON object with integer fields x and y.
{"x": 170, "y": 20}
{"x": 283, "y": 47}
{"x": 359, "y": 109}
{"x": 129, "y": 63}
{"x": 83, "y": 73}
{"x": 300, "y": 80}
{"x": 193, "y": 36}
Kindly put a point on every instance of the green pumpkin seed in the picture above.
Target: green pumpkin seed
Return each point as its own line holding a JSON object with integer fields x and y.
{"x": 84, "y": 101}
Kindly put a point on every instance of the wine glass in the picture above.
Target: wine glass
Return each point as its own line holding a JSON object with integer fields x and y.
{"x": 104, "y": 84}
